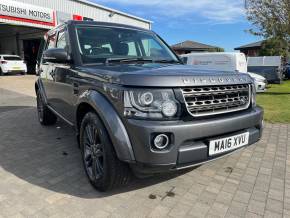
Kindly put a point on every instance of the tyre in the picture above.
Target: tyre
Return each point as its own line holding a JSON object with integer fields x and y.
{"x": 45, "y": 116}
{"x": 104, "y": 170}
{"x": 1, "y": 72}
{"x": 23, "y": 73}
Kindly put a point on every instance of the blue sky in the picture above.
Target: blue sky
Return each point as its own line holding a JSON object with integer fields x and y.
{"x": 215, "y": 22}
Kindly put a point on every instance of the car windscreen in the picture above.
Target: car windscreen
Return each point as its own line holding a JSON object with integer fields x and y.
{"x": 98, "y": 44}
{"x": 12, "y": 58}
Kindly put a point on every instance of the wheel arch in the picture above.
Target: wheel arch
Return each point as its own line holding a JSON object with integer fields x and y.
{"x": 92, "y": 100}
{"x": 38, "y": 86}
{"x": 82, "y": 109}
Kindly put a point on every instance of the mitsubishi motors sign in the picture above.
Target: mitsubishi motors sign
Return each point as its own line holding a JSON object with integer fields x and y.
{"x": 16, "y": 11}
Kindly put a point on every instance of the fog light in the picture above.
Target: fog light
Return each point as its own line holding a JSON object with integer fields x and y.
{"x": 161, "y": 141}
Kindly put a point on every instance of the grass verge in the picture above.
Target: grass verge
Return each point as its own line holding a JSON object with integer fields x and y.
{"x": 276, "y": 103}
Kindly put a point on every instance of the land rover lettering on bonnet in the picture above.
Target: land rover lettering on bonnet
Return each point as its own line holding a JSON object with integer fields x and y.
{"x": 135, "y": 107}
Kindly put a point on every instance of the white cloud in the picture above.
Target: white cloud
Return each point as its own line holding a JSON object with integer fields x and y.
{"x": 216, "y": 11}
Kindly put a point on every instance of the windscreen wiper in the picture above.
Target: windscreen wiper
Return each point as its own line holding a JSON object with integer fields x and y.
{"x": 167, "y": 61}
{"x": 127, "y": 60}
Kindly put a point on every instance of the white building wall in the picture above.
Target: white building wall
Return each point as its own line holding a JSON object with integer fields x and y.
{"x": 100, "y": 13}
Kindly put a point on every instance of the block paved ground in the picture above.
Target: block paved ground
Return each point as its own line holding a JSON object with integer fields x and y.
{"x": 41, "y": 174}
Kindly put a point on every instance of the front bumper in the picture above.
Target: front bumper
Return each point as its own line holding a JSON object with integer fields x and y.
{"x": 189, "y": 140}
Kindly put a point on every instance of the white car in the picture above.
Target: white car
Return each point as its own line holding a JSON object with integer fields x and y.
{"x": 260, "y": 82}
{"x": 12, "y": 64}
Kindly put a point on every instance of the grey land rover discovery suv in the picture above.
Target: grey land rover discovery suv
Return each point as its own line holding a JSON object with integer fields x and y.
{"x": 135, "y": 106}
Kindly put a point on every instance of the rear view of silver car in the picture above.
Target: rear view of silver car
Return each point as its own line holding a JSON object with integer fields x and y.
{"x": 12, "y": 64}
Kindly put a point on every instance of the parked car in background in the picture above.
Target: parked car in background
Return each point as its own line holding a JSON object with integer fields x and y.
{"x": 287, "y": 70}
{"x": 12, "y": 64}
{"x": 269, "y": 67}
{"x": 260, "y": 82}
{"x": 224, "y": 61}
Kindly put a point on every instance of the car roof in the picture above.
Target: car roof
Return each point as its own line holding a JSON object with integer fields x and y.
{"x": 96, "y": 23}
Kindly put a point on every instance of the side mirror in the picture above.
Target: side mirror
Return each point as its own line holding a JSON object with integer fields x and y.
{"x": 56, "y": 55}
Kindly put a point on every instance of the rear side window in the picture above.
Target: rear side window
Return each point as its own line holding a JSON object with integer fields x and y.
{"x": 12, "y": 58}
{"x": 51, "y": 42}
{"x": 46, "y": 44}
{"x": 61, "y": 41}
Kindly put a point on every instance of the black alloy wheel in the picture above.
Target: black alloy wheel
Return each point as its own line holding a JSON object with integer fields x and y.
{"x": 93, "y": 152}
{"x": 102, "y": 166}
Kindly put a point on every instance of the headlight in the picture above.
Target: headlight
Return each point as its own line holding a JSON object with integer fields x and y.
{"x": 155, "y": 104}
{"x": 253, "y": 89}
{"x": 146, "y": 98}
{"x": 169, "y": 108}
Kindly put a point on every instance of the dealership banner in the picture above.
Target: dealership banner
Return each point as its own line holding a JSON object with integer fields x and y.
{"x": 13, "y": 10}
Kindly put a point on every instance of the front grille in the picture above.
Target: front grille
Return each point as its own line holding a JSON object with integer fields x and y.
{"x": 210, "y": 100}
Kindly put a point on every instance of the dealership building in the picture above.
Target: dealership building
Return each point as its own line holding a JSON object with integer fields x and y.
{"x": 24, "y": 22}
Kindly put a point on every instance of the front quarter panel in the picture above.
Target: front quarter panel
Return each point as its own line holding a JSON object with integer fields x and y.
{"x": 112, "y": 122}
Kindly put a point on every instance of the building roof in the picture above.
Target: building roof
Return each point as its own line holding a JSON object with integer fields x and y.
{"x": 251, "y": 45}
{"x": 191, "y": 45}
{"x": 112, "y": 10}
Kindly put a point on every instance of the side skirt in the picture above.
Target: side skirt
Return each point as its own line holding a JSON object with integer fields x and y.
{"x": 60, "y": 116}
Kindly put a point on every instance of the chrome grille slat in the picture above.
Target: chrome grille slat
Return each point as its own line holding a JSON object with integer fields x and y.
{"x": 221, "y": 92}
{"x": 212, "y": 103}
{"x": 203, "y": 101}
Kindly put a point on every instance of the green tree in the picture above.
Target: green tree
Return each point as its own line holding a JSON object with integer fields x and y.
{"x": 273, "y": 47}
{"x": 218, "y": 49}
{"x": 271, "y": 19}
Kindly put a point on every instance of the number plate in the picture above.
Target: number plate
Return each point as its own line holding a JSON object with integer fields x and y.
{"x": 219, "y": 146}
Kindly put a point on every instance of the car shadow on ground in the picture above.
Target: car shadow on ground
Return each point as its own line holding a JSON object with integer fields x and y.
{"x": 49, "y": 157}
{"x": 10, "y": 108}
